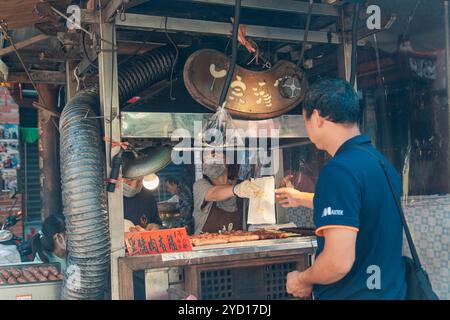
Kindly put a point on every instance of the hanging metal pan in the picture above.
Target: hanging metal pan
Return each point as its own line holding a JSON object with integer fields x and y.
{"x": 150, "y": 160}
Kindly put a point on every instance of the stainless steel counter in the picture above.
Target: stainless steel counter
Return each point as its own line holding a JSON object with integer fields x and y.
{"x": 238, "y": 248}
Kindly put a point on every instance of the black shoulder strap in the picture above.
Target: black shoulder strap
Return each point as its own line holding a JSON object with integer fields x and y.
{"x": 411, "y": 245}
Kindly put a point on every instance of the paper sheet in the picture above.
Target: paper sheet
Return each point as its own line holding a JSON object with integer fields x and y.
{"x": 262, "y": 210}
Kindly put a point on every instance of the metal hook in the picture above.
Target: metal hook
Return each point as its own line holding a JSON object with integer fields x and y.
{"x": 122, "y": 14}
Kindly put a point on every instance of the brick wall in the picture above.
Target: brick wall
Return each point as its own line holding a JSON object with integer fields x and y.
{"x": 9, "y": 114}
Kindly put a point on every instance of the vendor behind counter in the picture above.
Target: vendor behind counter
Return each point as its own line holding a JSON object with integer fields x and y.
{"x": 218, "y": 199}
{"x": 139, "y": 204}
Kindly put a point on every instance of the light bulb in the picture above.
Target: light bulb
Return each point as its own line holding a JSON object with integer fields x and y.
{"x": 151, "y": 182}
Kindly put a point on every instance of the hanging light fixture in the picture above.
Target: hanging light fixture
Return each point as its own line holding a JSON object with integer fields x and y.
{"x": 151, "y": 181}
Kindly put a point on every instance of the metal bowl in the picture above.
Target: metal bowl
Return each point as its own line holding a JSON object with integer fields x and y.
{"x": 167, "y": 207}
{"x": 169, "y": 216}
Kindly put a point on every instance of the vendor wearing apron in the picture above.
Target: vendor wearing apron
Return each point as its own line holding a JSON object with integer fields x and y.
{"x": 217, "y": 200}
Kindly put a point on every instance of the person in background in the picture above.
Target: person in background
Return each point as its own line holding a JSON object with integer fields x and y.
{"x": 139, "y": 205}
{"x": 49, "y": 244}
{"x": 185, "y": 201}
{"x": 217, "y": 199}
{"x": 358, "y": 224}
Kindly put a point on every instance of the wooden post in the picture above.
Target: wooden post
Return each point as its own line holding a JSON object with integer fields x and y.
{"x": 71, "y": 85}
{"x": 125, "y": 278}
{"x": 109, "y": 101}
{"x": 49, "y": 153}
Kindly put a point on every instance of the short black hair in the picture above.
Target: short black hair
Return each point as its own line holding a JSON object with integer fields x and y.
{"x": 335, "y": 99}
{"x": 172, "y": 180}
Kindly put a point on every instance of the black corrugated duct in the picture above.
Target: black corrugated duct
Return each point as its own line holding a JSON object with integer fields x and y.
{"x": 83, "y": 176}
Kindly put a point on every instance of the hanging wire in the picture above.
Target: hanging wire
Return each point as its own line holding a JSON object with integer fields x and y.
{"x": 4, "y": 31}
{"x": 172, "y": 98}
{"x": 411, "y": 17}
{"x": 136, "y": 52}
{"x": 305, "y": 35}
{"x": 121, "y": 13}
{"x": 83, "y": 44}
{"x": 354, "y": 57}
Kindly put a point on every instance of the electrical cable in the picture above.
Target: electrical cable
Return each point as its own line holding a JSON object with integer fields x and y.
{"x": 411, "y": 17}
{"x": 305, "y": 36}
{"x": 354, "y": 43}
{"x": 172, "y": 98}
{"x": 83, "y": 44}
{"x": 135, "y": 53}
{"x": 237, "y": 15}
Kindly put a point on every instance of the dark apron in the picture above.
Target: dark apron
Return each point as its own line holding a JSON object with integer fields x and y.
{"x": 217, "y": 218}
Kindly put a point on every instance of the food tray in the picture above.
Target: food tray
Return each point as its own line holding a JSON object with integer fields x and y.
{"x": 17, "y": 271}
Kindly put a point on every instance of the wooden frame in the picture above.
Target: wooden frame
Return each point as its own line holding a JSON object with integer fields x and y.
{"x": 194, "y": 266}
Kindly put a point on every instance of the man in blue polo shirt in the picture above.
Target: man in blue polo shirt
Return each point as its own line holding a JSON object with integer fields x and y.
{"x": 359, "y": 231}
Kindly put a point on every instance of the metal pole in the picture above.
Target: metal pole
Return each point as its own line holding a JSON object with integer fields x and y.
{"x": 26, "y": 179}
{"x": 447, "y": 60}
{"x": 109, "y": 101}
{"x": 48, "y": 154}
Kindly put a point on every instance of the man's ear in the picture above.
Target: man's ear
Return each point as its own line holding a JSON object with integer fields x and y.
{"x": 318, "y": 120}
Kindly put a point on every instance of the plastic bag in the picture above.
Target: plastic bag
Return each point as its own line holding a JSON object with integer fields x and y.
{"x": 9, "y": 254}
{"x": 219, "y": 131}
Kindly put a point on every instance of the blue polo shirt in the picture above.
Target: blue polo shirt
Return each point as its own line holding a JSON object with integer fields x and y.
{"x": 352, "y": 192}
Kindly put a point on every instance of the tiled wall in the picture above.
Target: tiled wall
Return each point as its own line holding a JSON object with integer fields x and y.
{"x": 302, "y": 217}
{"x": 429, "y": 221}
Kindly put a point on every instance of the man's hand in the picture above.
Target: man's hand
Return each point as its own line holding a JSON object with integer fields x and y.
{"x": 296, "y": 285}
{"x": 290, "y": 198}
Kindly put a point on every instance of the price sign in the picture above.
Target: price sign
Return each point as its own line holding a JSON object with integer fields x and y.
{"x": 157, "y": 241}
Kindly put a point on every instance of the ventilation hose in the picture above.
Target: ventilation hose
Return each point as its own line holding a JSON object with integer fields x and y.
{"x": 83, "y": 176}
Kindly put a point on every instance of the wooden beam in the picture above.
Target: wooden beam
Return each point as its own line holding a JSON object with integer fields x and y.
{"x": 41, "y": 107}
{"x": 50, "y": 77}
{"x": 38, "y": 56}
{"x": 23, "y": 44}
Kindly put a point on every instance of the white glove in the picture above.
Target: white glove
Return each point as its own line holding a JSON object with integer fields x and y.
{"x": 248, "y": 189}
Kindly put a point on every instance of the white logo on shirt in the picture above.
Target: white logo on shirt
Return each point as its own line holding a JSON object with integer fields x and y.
{"x": 330, "y": 212}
